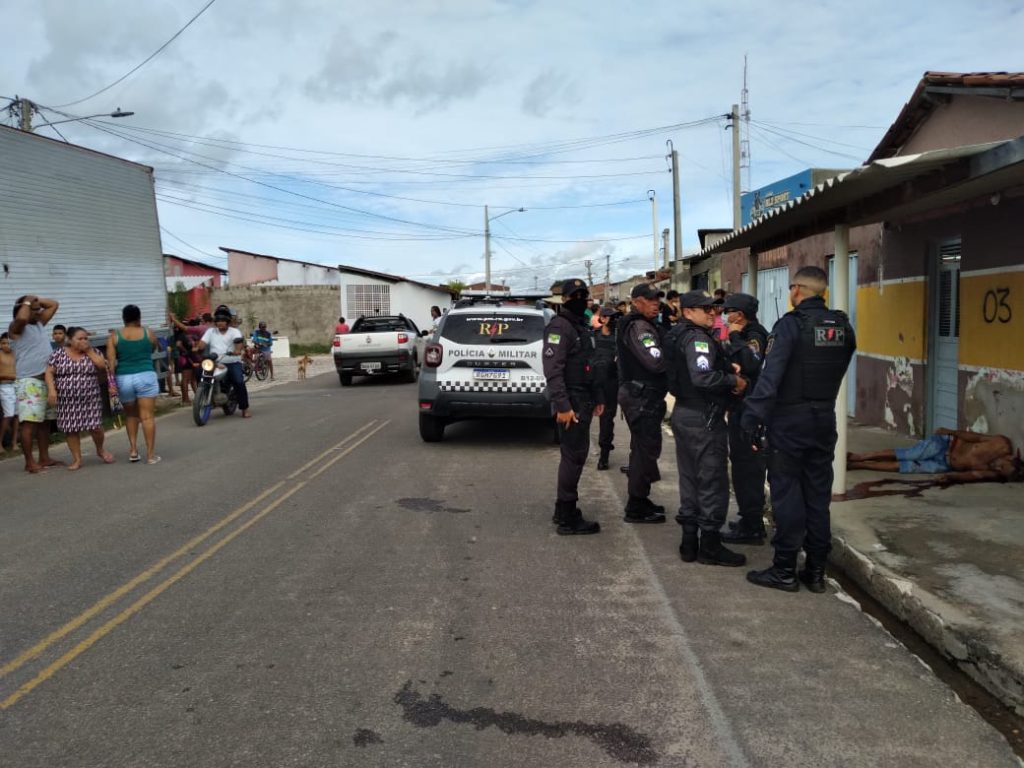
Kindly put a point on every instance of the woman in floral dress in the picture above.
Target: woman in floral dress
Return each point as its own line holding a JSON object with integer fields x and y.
{"x": 74, "y": 388}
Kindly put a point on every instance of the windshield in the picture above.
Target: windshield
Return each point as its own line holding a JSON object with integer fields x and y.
{"x": 375, "y": 324}
{"x": 495, "y": 328}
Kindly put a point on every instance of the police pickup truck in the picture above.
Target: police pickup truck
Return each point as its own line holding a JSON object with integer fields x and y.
{"x": 485, "y": 361}
{"x": 379, "y": 344}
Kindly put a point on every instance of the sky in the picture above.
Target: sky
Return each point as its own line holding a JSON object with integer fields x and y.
{"x": 373, "y": 134}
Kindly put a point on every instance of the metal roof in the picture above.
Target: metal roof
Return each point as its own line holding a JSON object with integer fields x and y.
{"x": 887, "y": 189}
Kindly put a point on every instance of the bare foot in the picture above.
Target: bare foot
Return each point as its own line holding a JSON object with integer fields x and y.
{"x": 108, "y": 457}
{"x": 153, "y": 460}
{"x": 74, "y": 466}
{"x": 246, "y": 414}
{"x": 34, "y": 468}
{"x": 51, "y": 463}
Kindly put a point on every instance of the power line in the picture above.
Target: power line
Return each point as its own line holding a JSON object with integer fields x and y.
{"x": 189, "y": 245}
{"x": 144, "y": 62}
{"x": 811, "y": 136}
{"x": 781, "y": 135}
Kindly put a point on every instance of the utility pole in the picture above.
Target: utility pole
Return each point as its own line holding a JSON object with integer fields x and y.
{"x": 745, "y": 136}
{"x": 675, "y": 206}
{"x": 664, "y": 239}
{"x": 590, "y": 277}
{"x": 487, "y": 251}
{"x": 607, "y": 275}
{"x": 535, "y": 282}
{"x": 654, "y": 223}
{"x": 25, "y": 108}
{"x": 734, "y": 119}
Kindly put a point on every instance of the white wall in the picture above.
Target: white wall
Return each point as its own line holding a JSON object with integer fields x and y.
{"x": 79, "y": 227}
{"x": 414, "y": 301}
{"x": 291, "y": 273}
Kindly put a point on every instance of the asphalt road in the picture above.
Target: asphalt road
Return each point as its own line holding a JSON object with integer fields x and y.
{"x": 317, "y": 587}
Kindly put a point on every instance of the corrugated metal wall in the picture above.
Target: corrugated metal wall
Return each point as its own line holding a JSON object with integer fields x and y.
{"x": 79, "y": 227}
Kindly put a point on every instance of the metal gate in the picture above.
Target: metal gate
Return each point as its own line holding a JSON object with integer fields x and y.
{"x": 944, "y": 353}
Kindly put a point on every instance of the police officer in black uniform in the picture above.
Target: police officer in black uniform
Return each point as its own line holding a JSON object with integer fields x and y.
{"x": 605, "y": 367}
{"x": 794, "y": 403}
{"x": 745, "y": 347}
{"x": 642, "y": 390}
{"x": 576, "y": 397}
{"x": 704, "y": 383}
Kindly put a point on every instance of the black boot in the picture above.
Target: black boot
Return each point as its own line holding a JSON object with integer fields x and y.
{"x": 640, "y": 510}
{"x": 624, "y": 469}
{"x": 712, "y": 552}
{"x": 572, "y": 522}
{"x": 782, "y": 575}
{"x": 689, "y": 545}
{"x": 813, "y": 574}
{"x": 747, "y": 531}
{"x": 602, "y": 462}
{"x": 559, "y": 513}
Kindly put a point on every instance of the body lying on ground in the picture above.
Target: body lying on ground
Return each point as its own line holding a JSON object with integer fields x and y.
{"x": 959, "y": 456}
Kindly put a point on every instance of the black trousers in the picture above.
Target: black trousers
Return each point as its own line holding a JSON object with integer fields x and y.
{"x": 606, "y": 430}
{"x": 748, "y": 473}
{"x": 701, "y": 458}
{"x": 644, "y": 416}
{"x": 574, "y": 445}
{"x": 802, "y": 442}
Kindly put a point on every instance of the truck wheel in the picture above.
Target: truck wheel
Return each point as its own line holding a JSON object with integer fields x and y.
{"x": 346, "y": 379}
{"x": 412, "y": 374}
{"x": 431, "y": 428}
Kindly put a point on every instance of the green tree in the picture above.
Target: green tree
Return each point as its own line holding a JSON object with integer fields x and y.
{"x": 455, "y": 286}
{"x": 177, "y": 301}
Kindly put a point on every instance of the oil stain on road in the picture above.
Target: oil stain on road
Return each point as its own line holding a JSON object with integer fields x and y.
{"x": 620, "y": 741}
{"x": 428, "y": 505}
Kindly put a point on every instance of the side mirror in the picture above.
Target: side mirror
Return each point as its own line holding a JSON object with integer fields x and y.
{"x": 424, "y": 334}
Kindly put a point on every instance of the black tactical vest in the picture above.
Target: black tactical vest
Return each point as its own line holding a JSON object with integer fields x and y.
{"x": 604, "y": 354}
{"x": 629, "y": 368}
{"x": 679, "y": 337}
{"x": 820, "y": 357}
{"x": 580, "y": 358}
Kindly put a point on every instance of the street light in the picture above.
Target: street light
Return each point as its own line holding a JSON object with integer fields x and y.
{"x": 116, "y": 113}
{"x": 487, "y": 242}
{"x": 25, "y": 108}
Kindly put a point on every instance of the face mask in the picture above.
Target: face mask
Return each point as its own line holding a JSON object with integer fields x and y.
{"x": 576, "y": 306}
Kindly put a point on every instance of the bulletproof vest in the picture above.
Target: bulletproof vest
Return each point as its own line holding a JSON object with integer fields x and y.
{"x": 679, "y": 372}
{"x": 580, "y": 358}
{"x": 820, "y": 356}
{"x": 629, "y": 368}
{"x": 604, "y": 353}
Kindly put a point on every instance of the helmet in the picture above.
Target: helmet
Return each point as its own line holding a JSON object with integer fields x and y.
{"x": 222, "y": 313}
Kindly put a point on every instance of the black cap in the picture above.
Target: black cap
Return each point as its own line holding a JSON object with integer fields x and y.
{"x": 608, "y": 312}
{"x": 569, "y": 287}
{"x": 743, "y": 302}
{"x": 645, "y": 291}
{"x": 693, "y": 299}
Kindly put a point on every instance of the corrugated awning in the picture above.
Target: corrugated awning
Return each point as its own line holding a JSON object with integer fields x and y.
{"x": 885, "y": 190}
{"x": 189, "y": 281}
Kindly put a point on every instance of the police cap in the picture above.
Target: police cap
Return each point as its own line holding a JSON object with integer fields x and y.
{"x": 694, "y": 299}
{"x": 569, "y": 287}
{"x": 608, "y": 312}
{"x": 743, "y": 302}
{"x": 645, "y": 291}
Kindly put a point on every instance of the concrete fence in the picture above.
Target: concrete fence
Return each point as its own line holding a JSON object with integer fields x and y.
{"x": 306, "y": 314}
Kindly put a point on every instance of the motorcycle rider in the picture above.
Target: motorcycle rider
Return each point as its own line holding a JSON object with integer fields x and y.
{"x": 226, "y": 342}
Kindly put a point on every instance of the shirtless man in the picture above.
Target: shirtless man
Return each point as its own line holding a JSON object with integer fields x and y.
{"x": 8, "y": 398}
{"x": 956, "y": 455}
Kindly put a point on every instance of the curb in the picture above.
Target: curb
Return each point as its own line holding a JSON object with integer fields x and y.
{"x": 965, "y": 645}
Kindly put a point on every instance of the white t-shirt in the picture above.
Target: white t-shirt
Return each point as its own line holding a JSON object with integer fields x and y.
{"x": 222, "y": 344}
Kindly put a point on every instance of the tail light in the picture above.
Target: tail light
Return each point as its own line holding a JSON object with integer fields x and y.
{"x": 432, "y": 355}
{"x": 403, "y": 338}
{"x": 337, "y": 341}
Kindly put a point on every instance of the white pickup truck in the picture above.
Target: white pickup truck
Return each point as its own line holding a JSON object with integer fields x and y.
{"x": 379, "y": 344}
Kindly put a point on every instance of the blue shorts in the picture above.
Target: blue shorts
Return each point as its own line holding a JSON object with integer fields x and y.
{"x": 132, "y": 386}
{"x": 928, "y": 457}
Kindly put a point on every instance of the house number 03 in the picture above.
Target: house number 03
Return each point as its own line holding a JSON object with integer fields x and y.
{"x": 996, "y": 306}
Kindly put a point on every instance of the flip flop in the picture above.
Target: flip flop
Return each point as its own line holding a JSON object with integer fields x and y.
{"x": 154, "y": 460}
{"x": 133, "y": 458}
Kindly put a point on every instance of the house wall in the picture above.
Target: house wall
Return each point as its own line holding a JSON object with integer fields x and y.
{"x": 198, "y": 297}
{"x": 967, "y": 120}
{"x": 414, "y": 301}
{"x": 79, "y": 227}
{"x": 297, "y": 273}
{"x": 305, "y": 314}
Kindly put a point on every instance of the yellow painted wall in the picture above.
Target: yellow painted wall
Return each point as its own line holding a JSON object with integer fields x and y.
{"x": 891, "y": 319}
{"x": 992, "y": 320}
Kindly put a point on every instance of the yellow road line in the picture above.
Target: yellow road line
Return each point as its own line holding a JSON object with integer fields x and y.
{"x": 147, "y": 598}
{"x": 105, "y": 602}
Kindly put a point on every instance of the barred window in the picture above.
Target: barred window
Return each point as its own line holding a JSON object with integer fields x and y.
{"x": 367, "y": 299}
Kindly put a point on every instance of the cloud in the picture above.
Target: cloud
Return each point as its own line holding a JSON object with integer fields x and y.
{"x": 548, "y": 91}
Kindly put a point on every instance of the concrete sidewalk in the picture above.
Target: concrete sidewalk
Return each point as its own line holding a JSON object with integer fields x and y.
{"x": 947, "y": 561}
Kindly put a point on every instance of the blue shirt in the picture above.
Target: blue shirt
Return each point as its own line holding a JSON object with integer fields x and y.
{"x": 262, "y": 340}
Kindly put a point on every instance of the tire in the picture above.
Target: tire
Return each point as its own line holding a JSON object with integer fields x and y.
{"x": 201, "y": 406}
{"x": 431, "y": 428}
{"x": 231, "y": 405}
{"x": 261, "y": 370}
{"x": 346, "y": 378}
{"x": 247, "y": 369}
{"x": 413, "y": 374}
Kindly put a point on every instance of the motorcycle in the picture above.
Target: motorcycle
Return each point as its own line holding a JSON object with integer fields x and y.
{"x": 214, "y": 390}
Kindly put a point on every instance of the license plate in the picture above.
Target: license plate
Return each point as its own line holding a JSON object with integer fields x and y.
{"x": 370, "y": 366}
{"x": 490, "y": 374}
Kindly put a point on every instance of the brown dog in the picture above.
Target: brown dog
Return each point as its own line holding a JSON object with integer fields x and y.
{"x": 304, "y": 362}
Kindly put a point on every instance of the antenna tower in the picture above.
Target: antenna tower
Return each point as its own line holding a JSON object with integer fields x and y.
{"x": 745, "y": 130}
